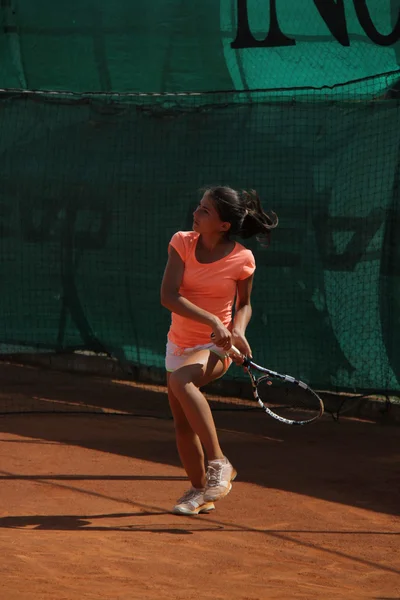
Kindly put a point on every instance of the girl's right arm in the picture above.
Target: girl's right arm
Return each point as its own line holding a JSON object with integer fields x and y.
{"x": 171, "y": 299}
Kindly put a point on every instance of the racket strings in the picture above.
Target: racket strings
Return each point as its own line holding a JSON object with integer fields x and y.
{"x": 289, "y": 400}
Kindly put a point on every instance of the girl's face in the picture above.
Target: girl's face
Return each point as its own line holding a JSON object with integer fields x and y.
{"x": 206, "y": 219}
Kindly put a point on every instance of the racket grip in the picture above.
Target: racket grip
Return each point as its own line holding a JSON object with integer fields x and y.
{"x": 235, "y": 351}
{"x": 232, "y": 350}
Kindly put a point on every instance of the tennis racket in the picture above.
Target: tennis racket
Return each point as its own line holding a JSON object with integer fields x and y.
{"x": 290, "y": 401}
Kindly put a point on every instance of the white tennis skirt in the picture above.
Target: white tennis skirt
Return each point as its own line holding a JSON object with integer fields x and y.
{"x": 175, "y": 356}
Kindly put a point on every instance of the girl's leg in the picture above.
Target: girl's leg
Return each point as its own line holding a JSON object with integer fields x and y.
{"x": 200, "y": 368}
{"x": 188, "y": 443}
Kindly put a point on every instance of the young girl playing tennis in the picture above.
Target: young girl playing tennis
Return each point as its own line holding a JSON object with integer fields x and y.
{"x": 205, "y": 272}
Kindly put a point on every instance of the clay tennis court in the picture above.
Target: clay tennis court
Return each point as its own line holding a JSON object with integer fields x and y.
{"x": 85, "y": 501}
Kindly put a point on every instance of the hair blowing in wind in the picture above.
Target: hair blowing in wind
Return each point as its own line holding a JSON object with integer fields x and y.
{"x": 243, "y": 210}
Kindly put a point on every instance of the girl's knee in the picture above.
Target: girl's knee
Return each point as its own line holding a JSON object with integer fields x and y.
{"x": 179, "y": 379}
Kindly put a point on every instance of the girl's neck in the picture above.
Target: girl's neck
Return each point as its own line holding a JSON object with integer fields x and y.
{"x": 212, "y": 241}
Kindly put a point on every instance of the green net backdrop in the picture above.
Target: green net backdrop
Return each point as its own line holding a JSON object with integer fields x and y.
{"x": 94, "y": 181}
{"x": 93, "y": 187}
{"x": 171, "y": 46}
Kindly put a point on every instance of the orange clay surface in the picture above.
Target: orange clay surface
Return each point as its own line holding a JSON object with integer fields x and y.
{"x": 86, "y": 499}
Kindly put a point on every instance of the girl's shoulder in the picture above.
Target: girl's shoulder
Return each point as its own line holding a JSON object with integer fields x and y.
{"x": 245, "y": 261}
{"x": 187, "y": 236}
{"x": 183, "y": 242}
{"x": 243, "y": 251}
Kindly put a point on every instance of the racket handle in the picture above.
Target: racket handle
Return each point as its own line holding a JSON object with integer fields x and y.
{"x": 235, "y": 351}
{"x": 232, "y": 349}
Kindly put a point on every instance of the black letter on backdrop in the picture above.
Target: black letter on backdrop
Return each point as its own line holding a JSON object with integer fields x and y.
{"x": 356, "y": 250}
{"x": 335, "y": 18}
{"x": 366, "y": 23}
{"x": 244, "y": 37}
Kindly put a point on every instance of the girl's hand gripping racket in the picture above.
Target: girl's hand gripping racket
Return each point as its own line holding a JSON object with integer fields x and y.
{"x": 294, "y": 403}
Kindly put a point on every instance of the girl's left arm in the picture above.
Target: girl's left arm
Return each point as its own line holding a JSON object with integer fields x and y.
{"x": 242, "y": 315}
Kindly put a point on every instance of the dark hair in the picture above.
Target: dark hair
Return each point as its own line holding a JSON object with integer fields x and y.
{"x": 244, "y": 212}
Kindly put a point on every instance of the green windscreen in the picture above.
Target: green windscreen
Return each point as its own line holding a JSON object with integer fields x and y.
{"x": 173, "y": 46}
{"x": 94, "y": 186}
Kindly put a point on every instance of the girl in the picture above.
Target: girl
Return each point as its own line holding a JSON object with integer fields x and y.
{"x": 206, "y": 270}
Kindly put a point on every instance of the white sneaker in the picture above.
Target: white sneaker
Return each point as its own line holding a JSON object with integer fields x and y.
{"x": 220, "y": 473}
{"x": 192, "y": 503}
